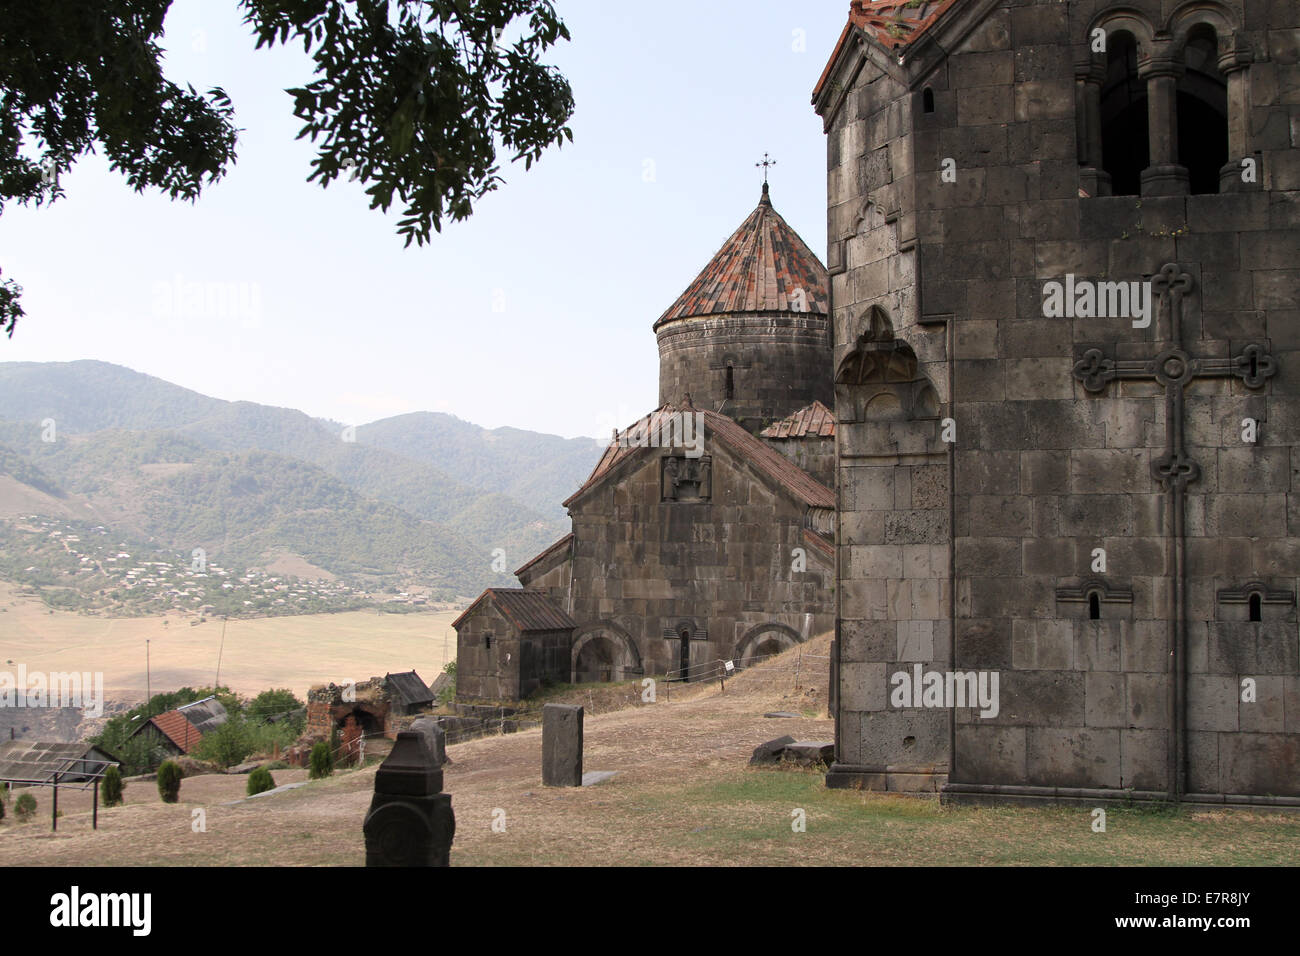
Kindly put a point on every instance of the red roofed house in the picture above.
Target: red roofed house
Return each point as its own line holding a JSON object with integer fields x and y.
{"x": 179, "y": 731}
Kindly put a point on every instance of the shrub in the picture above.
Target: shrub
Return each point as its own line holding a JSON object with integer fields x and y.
{"x": 2, "y": 808}
{"x": 259, "y": 781}
{"x": 276, "y": 765}
{"x": 322, "y": 761}
{"x": 274, "y": 705}
{"x": 228, "y": 744}
{"x": 448, "y": 692}
{"x": 25, "y": 806}
{"x": 169, "y": 781}
{"x": 112, "y": 786}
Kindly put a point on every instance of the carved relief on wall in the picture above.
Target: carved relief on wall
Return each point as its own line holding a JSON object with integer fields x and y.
{"x": 687, "y": 479}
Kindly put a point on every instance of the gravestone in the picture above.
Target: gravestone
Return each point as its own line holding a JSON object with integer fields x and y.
{"x": 562, "y": 745}
{"x": 410, "y": 822}
{"x": 770, "y": 752}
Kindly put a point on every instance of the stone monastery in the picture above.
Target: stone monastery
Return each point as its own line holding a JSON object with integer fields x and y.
{"x": 1028, "y": 444}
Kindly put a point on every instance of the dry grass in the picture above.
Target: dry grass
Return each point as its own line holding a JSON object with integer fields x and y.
{"x": 683, "y": 796}
{"x": 294, "y": 652}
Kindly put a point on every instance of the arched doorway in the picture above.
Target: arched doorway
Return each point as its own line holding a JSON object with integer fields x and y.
{"x": 603, "y": 653}
{"x": 763, "y": 641}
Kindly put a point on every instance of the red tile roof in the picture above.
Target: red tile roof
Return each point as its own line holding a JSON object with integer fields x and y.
{"x": 758, "y": 269}
{"x": 559, "y": 545}
{"x": 785, "y": 473}
{"x": 526, "y": 610}
{"x": 815, "y": 419}
{"x": 827, "y": 548}
{"x": 894, "y": 24}
{"x": 178, "y": 730}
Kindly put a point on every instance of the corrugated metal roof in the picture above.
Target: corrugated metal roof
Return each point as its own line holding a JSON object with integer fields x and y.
{"x": 785, "y": 473}
{"x": 409, "y": 689}
{"x": 30, "y": 760}
{"x": 558, "y": 546}
{"x": 894, "y": 24}
{"x": 526, "y": 610}
{"x": 207, "y": 714}
{"x": 758, "y": 269}
{"x": 815, "y": 419}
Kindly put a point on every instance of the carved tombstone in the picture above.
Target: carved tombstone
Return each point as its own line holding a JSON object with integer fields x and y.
{"x": 410, "y": 822}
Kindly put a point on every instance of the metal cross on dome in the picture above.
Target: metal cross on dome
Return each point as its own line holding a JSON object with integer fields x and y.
{"x": 765, "y": 164}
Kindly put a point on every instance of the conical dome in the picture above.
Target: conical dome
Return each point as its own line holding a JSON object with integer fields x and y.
{"x": 759, "y": 269}
{"x": 750, "y": 337}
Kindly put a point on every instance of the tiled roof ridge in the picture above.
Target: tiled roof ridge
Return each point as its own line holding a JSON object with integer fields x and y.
{"x": 776, "y": 466}
{"x": 815, "y": 418}
{"x": 526, "y": 609}
{"x": 757, "y": 269}
{"x": 545, "y": 552}
{"x": 884, "y": 21}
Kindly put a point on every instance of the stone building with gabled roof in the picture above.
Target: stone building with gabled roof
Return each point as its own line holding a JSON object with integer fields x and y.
{"x": 510, "y": 642}
{"x": 695, "y": 540}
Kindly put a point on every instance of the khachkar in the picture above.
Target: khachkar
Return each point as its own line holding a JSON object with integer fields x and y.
{"x": 410, "y": 822}
{"x": 1174, "y": 368}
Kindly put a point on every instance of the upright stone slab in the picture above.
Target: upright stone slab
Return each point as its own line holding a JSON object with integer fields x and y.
{"x": 562, "y": 745}
{"x": 410, "y": 822}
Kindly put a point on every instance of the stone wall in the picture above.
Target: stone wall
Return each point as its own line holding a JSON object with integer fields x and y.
{"x": 487, "y": 656}
{"x": 778, "y": 364}
{"x": 1052, "y": 468}
{"x": 645, "y": 570}
{"x": 814, "y": 455}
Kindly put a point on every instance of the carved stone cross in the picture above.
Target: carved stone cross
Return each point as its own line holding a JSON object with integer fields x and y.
{"x": 1174, "y": 368}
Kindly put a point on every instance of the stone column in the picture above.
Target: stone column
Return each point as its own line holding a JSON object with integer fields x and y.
{"x": 1164, "y": 177}
{"x": 1088, "y": 78}
{"x": 1233, "y": 61}
{"x": 410, "y": 822}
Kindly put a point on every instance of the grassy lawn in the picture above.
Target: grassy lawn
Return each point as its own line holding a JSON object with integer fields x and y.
{"x": 744, "y": 818}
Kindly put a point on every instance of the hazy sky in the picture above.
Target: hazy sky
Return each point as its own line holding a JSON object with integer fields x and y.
{"x": 536, "y": 312}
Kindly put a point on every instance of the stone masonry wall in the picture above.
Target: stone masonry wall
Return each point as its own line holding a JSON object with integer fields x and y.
{"x": 724, "y": 566}
{"x": 1048, "y": 473}
{"x": 778, "y": 359}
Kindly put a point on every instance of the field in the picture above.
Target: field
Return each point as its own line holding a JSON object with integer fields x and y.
{"x": 293, "y": 652}
{"x": 683, "y": 795}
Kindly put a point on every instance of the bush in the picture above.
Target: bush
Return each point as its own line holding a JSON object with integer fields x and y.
{"x": 169, "y": 781}
{"x": 112, "y": 787}
{"x": 448, "y": 693}
{"x": 25, "y": 807}
{"x": 322, "y": 761}
{"x": 275, "y": 706}
{"x": 227, "y": 745}
{"x": 259, "y": 781}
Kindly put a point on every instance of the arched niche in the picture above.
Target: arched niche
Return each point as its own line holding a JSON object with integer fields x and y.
{"x": 604, "y": 652}
{"x": 764, "y": 640}
{"x": 880, "y": 379}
